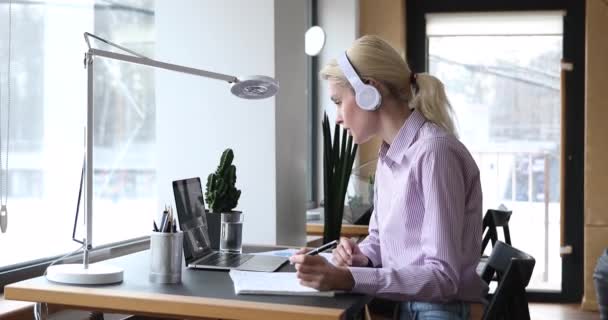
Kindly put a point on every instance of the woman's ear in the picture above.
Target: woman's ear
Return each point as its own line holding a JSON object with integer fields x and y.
{"x": 377, "y": 84}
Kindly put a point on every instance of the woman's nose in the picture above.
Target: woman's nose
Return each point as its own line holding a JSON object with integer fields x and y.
{"x": 339, "y": 119}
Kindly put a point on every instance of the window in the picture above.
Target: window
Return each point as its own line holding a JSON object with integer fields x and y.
{"x": 48, "y": 106}
{"x": 502, "y": 75}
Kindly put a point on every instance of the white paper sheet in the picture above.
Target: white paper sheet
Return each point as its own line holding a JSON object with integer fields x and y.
{"x": 273, "y": 283}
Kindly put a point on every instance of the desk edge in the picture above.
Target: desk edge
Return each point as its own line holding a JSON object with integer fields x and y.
{"x": 164, "y": 304}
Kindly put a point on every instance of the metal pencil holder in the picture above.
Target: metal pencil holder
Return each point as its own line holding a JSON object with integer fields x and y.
{"x": 166, "y": 257}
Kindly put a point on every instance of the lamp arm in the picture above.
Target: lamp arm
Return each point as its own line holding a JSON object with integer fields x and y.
{"x": 161, "y": 65}
{"x": 86, "y": 39}
{"x": 143, "y": 60}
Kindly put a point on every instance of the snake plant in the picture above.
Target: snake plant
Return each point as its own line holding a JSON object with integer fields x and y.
{"x": 338, "y": 158}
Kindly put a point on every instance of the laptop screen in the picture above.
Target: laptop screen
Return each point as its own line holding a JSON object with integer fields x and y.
{"x": 190, "y": 207}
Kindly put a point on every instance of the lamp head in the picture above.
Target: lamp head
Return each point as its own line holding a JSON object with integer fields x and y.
{"x": 255, "y": 87}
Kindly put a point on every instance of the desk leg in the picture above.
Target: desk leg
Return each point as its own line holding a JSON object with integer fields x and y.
{"x": 361, "y": 314}
{"x": 96, "y": 316}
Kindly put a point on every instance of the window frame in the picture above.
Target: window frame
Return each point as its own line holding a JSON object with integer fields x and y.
{"x": 313, "y": 114}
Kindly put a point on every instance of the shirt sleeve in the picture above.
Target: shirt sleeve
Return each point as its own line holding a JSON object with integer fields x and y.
{"x": 440, "y": 177}
{"x": 370, "y": 246}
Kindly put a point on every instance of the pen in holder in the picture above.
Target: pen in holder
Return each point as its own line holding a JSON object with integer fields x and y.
{"x": 166, "y": 257}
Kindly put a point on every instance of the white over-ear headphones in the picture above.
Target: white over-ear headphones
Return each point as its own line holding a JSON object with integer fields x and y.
{"x": 367, "y": 96}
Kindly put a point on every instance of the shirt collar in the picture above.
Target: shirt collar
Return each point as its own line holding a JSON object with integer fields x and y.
{"x": 403, "y": 139}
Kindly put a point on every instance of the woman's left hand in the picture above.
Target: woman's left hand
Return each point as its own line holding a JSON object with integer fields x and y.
{"x": 318, "y": 273}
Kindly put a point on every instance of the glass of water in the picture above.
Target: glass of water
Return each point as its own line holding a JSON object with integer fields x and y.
{"x": 231, "y": 232}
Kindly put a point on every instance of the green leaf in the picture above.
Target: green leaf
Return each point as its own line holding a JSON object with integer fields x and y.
{"x": 339, "y": 153}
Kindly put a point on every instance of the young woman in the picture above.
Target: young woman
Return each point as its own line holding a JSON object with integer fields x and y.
{"x": 425, "y": 232}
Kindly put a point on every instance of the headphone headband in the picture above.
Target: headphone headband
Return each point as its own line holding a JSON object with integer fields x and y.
{"x": 367, "y": 96}
{"x": 349, "y": 72}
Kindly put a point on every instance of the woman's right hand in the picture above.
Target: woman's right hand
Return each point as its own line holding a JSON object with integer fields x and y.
{"x": 347, "y": 253}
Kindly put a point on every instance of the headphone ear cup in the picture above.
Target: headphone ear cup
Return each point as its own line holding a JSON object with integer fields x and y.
{"x": 368, "y": 98}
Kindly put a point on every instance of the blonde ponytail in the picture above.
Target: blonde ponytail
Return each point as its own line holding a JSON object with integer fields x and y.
{"x": 430, "y": 99}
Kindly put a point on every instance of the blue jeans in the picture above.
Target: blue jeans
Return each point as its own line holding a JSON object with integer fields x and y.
{"x": 433, "y": 311}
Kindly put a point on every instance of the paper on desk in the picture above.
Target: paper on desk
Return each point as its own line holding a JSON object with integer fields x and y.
{"x": 290, "y": 252}
{"x": 279, "y": 253}
{"x": 273, "y": 283}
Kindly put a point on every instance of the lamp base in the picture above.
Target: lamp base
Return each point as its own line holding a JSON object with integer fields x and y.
{"x": 77, "y": 274}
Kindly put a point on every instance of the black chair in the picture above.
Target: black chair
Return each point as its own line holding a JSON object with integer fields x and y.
{"x": 364, "y": 218}
{"x": 513, "y": 269}
{"x": 491, "y": 220}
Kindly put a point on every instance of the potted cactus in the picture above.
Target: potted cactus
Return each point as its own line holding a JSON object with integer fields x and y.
{"x": 221, "y": 195}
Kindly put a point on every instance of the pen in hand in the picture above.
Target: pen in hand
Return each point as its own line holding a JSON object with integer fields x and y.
{"x": 318, "y": 250}
{"x": 322, "y": 248}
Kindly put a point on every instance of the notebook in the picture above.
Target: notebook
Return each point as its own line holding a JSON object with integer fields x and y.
{"x": 272, "y": 283}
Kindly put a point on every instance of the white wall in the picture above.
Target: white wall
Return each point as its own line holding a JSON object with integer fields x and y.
{"x": 339, "y": 19}
{"x": 198, "y": 118}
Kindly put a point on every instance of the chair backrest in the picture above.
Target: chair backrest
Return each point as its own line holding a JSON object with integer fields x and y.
{"x": 513, "y": 270}
{"x": 364, "y": 218}
{"x": 492, "y": 219}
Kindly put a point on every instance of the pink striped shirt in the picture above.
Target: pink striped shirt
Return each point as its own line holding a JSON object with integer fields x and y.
{"x": 425, "y": 232}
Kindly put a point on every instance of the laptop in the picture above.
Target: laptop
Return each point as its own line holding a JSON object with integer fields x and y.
{"x": 198, "y": 254}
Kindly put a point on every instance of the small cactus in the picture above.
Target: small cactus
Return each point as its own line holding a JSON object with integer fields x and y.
{"x": 221, "y": 194}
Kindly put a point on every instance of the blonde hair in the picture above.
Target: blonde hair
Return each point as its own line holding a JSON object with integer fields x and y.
{"x": 374, "y": 58}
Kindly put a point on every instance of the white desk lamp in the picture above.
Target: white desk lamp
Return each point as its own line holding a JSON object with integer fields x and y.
{"x": 249, "y": 87}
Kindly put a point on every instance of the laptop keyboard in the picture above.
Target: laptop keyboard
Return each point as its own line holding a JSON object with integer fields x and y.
{"x": 227, "y": 260}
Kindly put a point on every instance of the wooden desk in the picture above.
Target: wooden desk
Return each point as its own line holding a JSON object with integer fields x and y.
{"x": 202, "y": 294}
{"x": 348, "y": 230}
